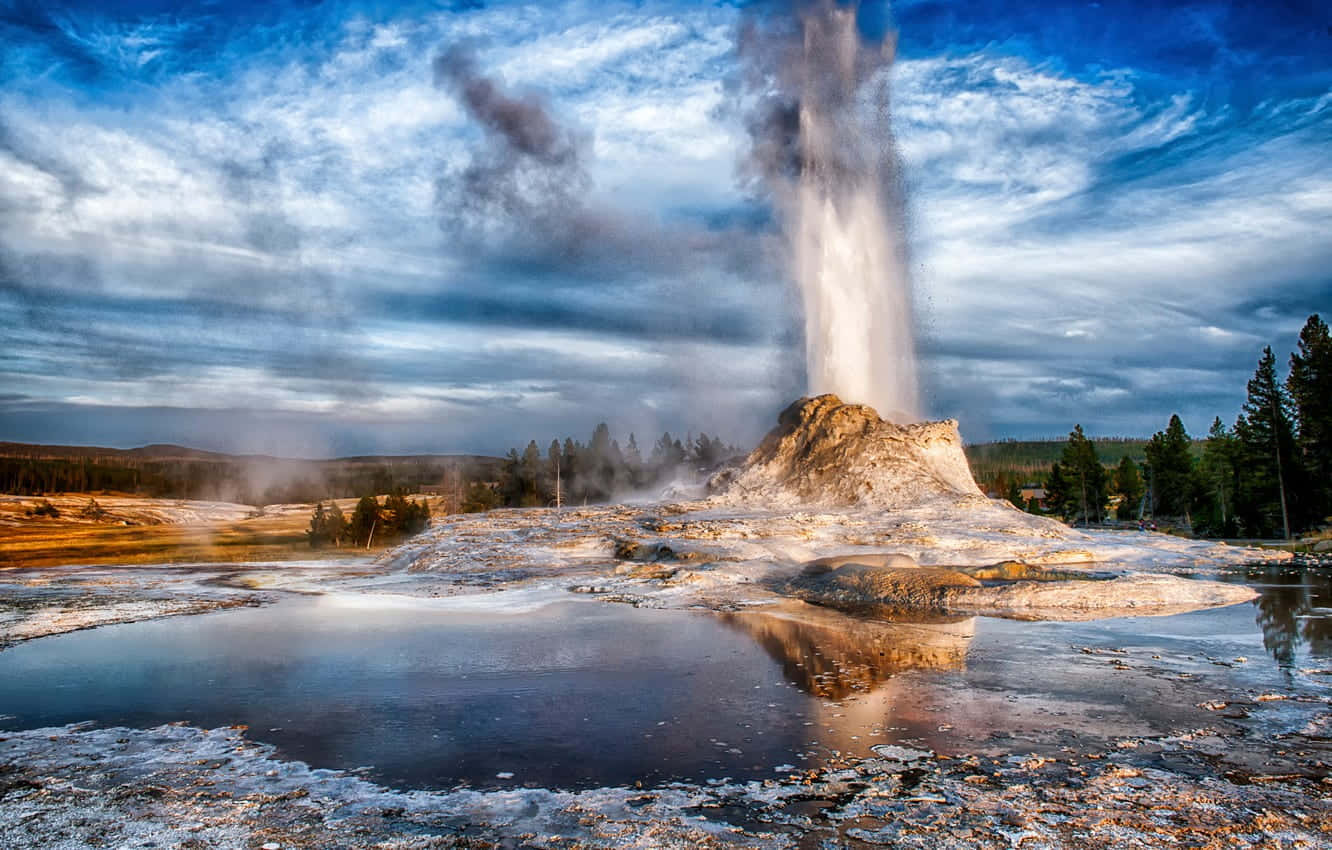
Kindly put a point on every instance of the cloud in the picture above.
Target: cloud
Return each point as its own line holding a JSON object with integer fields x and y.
{"x": 270, "y": 209}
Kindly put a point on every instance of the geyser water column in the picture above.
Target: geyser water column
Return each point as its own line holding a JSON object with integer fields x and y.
{"x": 823, "y": 146}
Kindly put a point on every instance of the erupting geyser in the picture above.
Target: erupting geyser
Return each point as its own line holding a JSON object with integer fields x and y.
{"x": 823, "y": 145}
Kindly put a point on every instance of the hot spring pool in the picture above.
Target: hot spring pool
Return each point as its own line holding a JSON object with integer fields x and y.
{"x": 583, "y": 694}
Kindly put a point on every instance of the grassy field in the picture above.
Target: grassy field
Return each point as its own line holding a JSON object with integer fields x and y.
{"x": 153, "y": 531}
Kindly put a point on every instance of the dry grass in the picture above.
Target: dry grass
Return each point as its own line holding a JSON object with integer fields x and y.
{"x": 31, "y": 541}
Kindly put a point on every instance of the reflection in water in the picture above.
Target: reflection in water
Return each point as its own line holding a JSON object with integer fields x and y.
{"x": 833, "y": 655}
{"x": 1295, "y": 610}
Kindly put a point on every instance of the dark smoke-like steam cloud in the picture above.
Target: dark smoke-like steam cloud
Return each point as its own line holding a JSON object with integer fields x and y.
{"x": 524, "y": 198}
{"x": 525, "y": 195}
{"x": 527, "y": 179}
{"x": 817, "y": 101}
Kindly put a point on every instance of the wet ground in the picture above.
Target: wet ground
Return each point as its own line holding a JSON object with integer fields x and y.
{"x": 585, "y": 694}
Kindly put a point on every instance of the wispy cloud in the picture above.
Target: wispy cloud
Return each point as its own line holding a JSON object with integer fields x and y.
{"x": 249, "y": 209}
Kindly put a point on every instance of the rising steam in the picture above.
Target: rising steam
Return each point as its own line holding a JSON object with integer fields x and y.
{"x": 823, "y": 149}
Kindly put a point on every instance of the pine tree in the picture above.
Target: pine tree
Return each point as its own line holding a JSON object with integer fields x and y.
{"x": 554, "y": 472}
{"x": 1310, "y": 388}
{"x": 1218, "y": 474}
{"x": 1168, "y": 454}
{"x": 335, "y": 524}
{"x": 511, "y": 478}
{"x": 633, "y": 461}
{"x": 1267, "y": 453}
{"x": 1056, "y": 489}
{"x": 480, "y": 498}
{"x": 1129, "y": 487}
{"x": 365, "y": 522}
{"x": 1014, "y": 495}
{"x": 317, "y": 533}
{"x": 1084, "y": 478}
{"x": 400, "y": 515}
{"x": 530, "y": 476}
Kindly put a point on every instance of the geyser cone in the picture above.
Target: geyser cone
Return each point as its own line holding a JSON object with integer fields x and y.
{"x": 824, "y": 452}
{"x": 823, "y": 144}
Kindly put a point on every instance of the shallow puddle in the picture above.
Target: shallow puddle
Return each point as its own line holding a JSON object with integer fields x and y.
{"x": 584, "y": 694}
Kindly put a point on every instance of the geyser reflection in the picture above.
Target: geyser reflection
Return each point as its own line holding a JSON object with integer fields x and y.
{"x": 823, "y": 146}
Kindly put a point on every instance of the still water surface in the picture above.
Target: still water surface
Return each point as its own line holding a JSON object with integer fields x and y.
{"x": 582, "y": 693}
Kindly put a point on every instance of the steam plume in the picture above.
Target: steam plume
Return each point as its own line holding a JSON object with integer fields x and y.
{"x": 526, "y": 193}
{"x": 530, "y": 173}
{"x": 822, "y": 148}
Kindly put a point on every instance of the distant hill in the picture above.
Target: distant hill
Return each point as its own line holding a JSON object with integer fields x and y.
{"x": 159, "y": 451}
{"x": 178, "y": 472}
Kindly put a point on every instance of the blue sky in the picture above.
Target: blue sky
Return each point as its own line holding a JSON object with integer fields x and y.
{"x": 253, "y": 226}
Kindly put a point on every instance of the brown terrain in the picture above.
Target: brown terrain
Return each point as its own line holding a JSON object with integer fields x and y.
{"x": 137, "y": 530}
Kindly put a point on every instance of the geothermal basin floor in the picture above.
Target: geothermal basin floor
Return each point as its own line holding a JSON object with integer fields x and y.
{"x": 594, "y": 723}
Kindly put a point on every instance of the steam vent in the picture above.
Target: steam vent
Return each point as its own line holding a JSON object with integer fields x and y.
{"x": 827, "y": 453}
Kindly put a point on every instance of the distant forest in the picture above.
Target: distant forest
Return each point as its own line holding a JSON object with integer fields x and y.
{"x": 173, "y": 472}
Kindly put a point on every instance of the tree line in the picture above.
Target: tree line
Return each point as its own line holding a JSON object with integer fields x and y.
{"x": 239, "y": 480}
{"x": 398, "y": 517}
{"x": 1267, "y": 475}
{"x": 600, "y": 469}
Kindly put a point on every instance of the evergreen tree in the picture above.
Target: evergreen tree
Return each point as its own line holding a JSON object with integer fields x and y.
{"x": 667, "y": 456}
{"x": 1129, "y": 487}
{"x": 569, "y": 462}
{"x": 511, "y": 478}
{"x": 1084, "y": 477}
{"x": 1056, "y": 489}
{"x": 1267, "y": 453}
{"x": 554, "y": 471}
{"x": 480, "y": 498}
{"x": 364, "y": 521}
{"x": 1169, "y": 456}
{"x": 402, "y": 517}
{"x": 530, "y": 473}
{"x": 1310, "y": 388}
{"x": 1014, "y": 495}
{"x": 1218, "y": 476}
{"x": 317, "y": 533}
{"x": 335, "y": 524}
{"x": 633, "y": 461}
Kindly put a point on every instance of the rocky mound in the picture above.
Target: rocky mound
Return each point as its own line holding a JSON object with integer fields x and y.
{"x": 824, "y": 452}
{"x": 1038, "y": 593}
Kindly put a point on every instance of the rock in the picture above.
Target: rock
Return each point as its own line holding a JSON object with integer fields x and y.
{"x": 1323, "y": 546}
{"x": 826, "y": 452}
{"x": 1056, "y": 595}
{"x": 872, "y": 559}
{"x": 867, "y": 584}
{"x": 1138, "y": 593}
